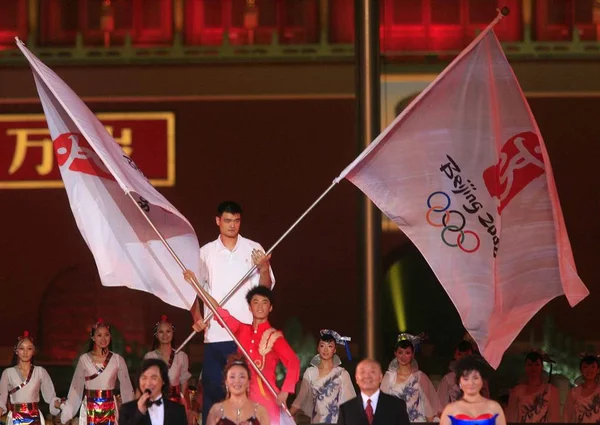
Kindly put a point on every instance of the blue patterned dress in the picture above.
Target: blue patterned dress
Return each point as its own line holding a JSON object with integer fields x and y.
{"x": 538, "y": 407}
{"x": 582, "y": 409}
{"x": 417, "y": 391}
{"x": 320, "y": 397}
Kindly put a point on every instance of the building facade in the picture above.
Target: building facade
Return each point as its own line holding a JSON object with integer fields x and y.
{"x": 253, "y": 100}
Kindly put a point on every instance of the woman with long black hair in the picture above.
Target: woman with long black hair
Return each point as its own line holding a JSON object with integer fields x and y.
{"x": 94, "y": 382}
{"x": 178, "y": 363}
{"x": 22, "y": 383}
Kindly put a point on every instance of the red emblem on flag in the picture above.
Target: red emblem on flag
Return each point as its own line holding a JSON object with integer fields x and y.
{"x": 72, "y": 148}
{"x": 520, "y": 163}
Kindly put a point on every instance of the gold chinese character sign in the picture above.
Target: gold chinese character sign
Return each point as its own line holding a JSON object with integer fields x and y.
{"x": 27, "y": 158}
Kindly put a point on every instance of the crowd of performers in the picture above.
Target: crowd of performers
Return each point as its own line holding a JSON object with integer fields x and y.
{"x": 233, "y": 394}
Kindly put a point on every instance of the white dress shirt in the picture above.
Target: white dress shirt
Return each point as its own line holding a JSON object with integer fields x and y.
{"x": 374, "y": 399}
{"x": 157, "y": 413}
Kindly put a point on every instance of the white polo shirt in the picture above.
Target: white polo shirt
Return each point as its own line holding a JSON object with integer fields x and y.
{"x": 220, "y": 271}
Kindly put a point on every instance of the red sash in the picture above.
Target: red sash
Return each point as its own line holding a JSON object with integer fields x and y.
{"x": 99, "y": 371}
{"x": 22, "y": 384}
{"x": 174, "y": 391}
{"x": 171, "y": 358}
{"x": 101, "y": 407}
{"x": 25, "y": 413}
{"x": 175, "y": 394}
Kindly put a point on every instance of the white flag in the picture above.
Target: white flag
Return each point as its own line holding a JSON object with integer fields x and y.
{"x": 98, "y": 176}
{"x": 465, "y": 174}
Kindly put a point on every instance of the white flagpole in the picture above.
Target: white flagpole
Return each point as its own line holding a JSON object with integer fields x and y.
{"x": 249, "y": 272}
{"x": 196, "y": 285}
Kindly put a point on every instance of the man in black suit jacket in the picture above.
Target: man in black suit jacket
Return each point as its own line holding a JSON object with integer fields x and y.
{"x": 153, "y": 408}
{"x": 372, "y": 407}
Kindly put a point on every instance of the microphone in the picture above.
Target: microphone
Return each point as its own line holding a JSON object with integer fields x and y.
{"x": 149, "y": 392}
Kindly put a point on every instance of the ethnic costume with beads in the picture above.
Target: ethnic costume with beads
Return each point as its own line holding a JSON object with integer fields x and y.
{"x": 24, "y": 393}
{"x": 94, "y": 384}
{"x": 178, "y": 372}
{"x": 266, "y": 346}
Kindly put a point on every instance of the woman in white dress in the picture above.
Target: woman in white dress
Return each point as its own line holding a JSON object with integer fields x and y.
{"x": 22, "y": 383}
{"x": 583, "y": 401}
{"x": 534, "y": 401}
{"x": 178, "y": 364}
{"x": 325, "y": 384}
{"x": 404, "y": 380}
{"x": 93, "y": 384}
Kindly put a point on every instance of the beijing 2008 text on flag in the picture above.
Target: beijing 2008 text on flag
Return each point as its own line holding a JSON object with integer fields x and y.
{"x": 465, "y": 174}
{"x": 97, "y": 176}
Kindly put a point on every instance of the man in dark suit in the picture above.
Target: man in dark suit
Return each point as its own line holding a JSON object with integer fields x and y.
{"x": 372, "y": 407}
{"x": 153, "y": 408}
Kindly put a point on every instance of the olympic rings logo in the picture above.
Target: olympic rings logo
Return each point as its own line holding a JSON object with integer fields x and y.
{"x": 435, "y": 203}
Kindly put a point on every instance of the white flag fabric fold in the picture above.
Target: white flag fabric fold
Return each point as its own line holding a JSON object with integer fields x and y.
{"x": 465, "y": 174}
{"x": 97, "y": 176}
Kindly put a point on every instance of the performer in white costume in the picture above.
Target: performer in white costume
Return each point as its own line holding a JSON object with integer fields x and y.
{"x": 22, "y": 383}
{"x": 178, "y": 363}
{"x": 404, "y": 380}
{"x": 534, "y": 401}
{"x": 94, "y": 382}
{"x": 583, "y": 401}
{"x": 326, "y": 384}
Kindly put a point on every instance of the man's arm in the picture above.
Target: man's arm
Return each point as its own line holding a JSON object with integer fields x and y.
{"x": 199, "y": 325}
{"x": 262, "y": 263}
{"x": 290, "y": 361}
{"x": 265, "y": 277}
{"x": 196, "y": 311}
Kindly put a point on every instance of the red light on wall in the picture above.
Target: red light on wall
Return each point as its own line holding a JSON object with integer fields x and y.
{"x": 436, "y": 25}
{"x": 13, "y": 22}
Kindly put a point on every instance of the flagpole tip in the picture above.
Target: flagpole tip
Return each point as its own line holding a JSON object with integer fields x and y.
{"x": 505, "y": 11}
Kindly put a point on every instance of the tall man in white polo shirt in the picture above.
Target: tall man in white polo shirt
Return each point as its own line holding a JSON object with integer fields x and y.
{"x": 223, "y": 263}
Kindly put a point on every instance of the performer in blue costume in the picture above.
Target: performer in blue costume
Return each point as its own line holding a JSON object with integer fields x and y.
{"x": 471, "y": 408}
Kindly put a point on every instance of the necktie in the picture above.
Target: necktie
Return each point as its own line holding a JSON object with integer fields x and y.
{"x": 369, "y": 412}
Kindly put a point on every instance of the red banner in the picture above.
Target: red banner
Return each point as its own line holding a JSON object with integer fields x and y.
{"x": 27, "y": 159}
